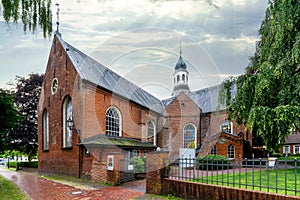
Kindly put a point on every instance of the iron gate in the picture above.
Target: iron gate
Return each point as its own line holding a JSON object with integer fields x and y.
{"x": 126, "y": 172}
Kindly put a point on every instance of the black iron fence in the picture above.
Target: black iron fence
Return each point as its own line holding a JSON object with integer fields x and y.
{"x": 264, "y": 174}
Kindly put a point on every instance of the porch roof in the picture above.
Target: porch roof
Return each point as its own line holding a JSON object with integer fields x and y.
{"x": 103, "y": 140}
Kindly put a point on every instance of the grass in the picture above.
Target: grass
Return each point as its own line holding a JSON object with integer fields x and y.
{"x": 8, "y": 190}
{"x": 276, "y": 181}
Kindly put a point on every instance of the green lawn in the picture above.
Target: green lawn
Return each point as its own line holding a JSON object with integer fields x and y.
{"x": 264, "y": 180}
{"x": 8, "y": 190}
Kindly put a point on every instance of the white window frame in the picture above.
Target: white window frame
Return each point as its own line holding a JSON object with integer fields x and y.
{"x": 298, "y": 147}
{"x": 286, "y": 149}
{"x": 45, "y": 130}
{"x": 231, "y": 151}
{"x": 185, "y": 144}
{"x": 154, "y": 131}
{"x": 109, "y": 123}
{"x": 229, "y": 124}
{"x": 67, "y": 114}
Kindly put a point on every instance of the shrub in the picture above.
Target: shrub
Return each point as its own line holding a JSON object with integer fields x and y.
{"x": 139, "y": 164}
{"x": 32, "y": 164}
{"x": 276, "y": 155}
{"x": 213, "y": 162}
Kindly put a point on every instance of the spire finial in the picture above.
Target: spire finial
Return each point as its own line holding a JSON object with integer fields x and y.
{"x": 57, "y": 14}
{"x": 180, "y": 50}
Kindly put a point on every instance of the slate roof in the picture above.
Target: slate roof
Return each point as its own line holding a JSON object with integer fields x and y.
{"x": 121, "y": 142}
{"x": 293, "y": 139}
{"x": 206, "y": 99}
{"x": 96, "y": 73}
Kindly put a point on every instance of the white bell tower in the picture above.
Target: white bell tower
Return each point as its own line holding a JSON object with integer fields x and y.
{"x": 180, "y": 76}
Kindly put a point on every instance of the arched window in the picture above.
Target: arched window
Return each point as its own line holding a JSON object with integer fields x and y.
{"x": 189, "y": 133}
{"x": 151, "y": 132}
{"x": 213, "y": 150}
{"x": 45, "y": 130}
{"x": 67, "y": 115}
{"x": 183, "y": 77}
{"x": 226, "y": 126}
{"x": 230, "y": 151}
{"x": 178, "y": 78}
{"x": 113, "y": 122}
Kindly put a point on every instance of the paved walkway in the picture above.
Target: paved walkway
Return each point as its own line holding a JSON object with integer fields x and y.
{"x": 40, "y": 188}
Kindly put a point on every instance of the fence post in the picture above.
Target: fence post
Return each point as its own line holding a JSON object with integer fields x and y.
{"x": 156, "y": 163}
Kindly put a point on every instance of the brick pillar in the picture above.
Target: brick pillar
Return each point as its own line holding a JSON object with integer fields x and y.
{"x": 156, "y": 164}
{"x": 113, "y": 175}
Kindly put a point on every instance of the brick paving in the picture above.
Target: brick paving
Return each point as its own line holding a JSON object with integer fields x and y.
{"x": 40, "y": 188}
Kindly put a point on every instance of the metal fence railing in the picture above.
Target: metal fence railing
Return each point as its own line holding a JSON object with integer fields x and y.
{"x": 263, "y": 174}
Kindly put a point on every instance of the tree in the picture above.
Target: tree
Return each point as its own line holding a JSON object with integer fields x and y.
{"x": 24, "y": 136}
{"x": 8, "y": 116}
{"x": 268, "y": 94}
{"x": 32, "y": 13}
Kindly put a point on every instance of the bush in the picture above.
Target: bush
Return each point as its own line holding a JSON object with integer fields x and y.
{"x": 32, "y": 164}
{"x": 139, "y": 164}
{"x": 276, "y": 155}
{"x": 213, "y": 162}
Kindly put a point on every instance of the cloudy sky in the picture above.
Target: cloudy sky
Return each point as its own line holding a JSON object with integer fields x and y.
{"x": 140, "y": 39}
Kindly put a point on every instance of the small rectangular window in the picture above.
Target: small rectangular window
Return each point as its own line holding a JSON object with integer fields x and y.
{"x": 296, "y": 149}
{"x": 286, "y": 149}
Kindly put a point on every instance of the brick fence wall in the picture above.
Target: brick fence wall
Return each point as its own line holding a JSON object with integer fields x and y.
{"x": 192, "y": 190}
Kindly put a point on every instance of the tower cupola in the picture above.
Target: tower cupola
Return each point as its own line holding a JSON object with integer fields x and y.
{"x": 180, "y": 76}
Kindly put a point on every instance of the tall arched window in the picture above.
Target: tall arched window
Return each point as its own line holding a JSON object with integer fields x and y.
{"x": 45, "y": 130}
{"x": 113, "y": 122}
{"x": 189, "y": 133}
{"x": 151, "y": 132}
{"x": 183, "y": 77}
{"x": 178, "y": 78}
{"x": 67, "y": 115}
{"x": 230, "y": 151}
{"x": 226, "y": 126}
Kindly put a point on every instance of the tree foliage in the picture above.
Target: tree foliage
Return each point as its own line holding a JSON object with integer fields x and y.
{"x": 24, "y": 136}
{"x": 268, "y": 94}
{"x": 8, "y": 116}
{"x": 32, "y": 13}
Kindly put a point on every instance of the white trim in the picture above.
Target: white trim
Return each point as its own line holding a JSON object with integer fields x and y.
{"x": 66, "y": 129}
{"x": 45, "y": 130}
{"x": 154, "y": 130}
{"x": 288, "y": 147}
{"x": 120, "y": 118}
{"x": 195, "y": 139}
{"x": 294, "y": 147}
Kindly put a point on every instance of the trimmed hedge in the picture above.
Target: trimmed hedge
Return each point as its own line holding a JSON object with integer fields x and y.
{"x": 213, "y": 162}
{"x": 32, "y": 164}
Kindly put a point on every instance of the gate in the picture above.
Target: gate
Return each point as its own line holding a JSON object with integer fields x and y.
{"x": 126, "y": 171}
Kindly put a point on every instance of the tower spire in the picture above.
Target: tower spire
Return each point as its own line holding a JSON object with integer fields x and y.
{"x": 57, "y": 21}
{"x": 180, "y": 50}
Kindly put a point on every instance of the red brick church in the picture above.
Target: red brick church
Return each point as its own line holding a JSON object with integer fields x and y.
{"x": 87, "y": 113}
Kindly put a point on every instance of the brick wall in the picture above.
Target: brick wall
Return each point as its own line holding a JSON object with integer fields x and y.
{"x": 190, "y": 190}
{"x": 90, "y": 104}
{"x": 57, "y": 159}
{"x": 179, "y": 113}
{"x": 155, "y": 169}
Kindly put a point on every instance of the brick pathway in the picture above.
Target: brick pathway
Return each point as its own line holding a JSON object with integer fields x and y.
{"x": 40, "y": 188}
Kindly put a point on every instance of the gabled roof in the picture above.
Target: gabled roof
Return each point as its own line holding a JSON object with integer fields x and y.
{"x": 96, "y": 73}
{"x": 206, "y": 99}
{"x": 293, "y": 139}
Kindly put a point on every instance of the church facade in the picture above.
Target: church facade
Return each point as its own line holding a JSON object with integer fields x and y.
{"x": 88, "y": 112}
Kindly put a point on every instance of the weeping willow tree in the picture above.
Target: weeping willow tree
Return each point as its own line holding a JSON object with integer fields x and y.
{"x": 31, "y": 13}
{"x": 268, "y": 94}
